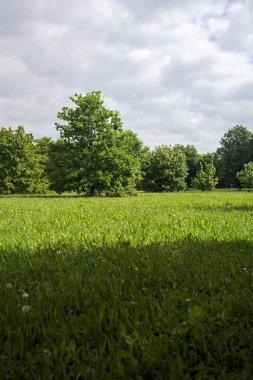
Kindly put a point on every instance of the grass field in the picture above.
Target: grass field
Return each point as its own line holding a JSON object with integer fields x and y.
{"x": 158, "y": 286}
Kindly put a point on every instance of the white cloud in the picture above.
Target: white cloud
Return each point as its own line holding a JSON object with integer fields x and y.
{"x": 179, "y": 72}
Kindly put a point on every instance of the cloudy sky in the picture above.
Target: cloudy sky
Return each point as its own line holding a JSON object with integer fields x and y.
{"x": 179, "y": 71}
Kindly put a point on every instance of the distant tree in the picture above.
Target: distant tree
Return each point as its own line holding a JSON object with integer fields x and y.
{"x": 166, "y": 170}
{"x": 146, "y": 155}
{"x": 208, "y": 158}
{"x": 21, "y": 170}
{"x": 44, "y": 145}
{"x": 94, "y": 155}
{"x": 63, "y": 167}
{"x": 251, "y": 147}
{"x": 233, "y": 153}
{"x": 205, "y": 178}
{"x": 192, "y": 161}
{"x": 245, "y": 176}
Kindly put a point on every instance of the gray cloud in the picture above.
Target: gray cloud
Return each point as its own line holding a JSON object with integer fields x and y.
{"x": 179, "y": 72}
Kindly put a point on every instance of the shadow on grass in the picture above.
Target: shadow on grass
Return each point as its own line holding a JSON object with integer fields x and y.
{"x": 190, "y": 254}
{"x": 181, "y": 310}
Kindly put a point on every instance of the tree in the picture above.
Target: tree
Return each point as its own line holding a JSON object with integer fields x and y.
{"x": 233, "y": 153}
{"x": 208, "y": 158}
{"x": 205, "y": 178}
{"x": 251, "y": 147}
{"x": 166, "y": 170}
{"x": 21, "y": 170}
{"x": 245, "y": 176}
{"x": 146, "y": 155}
{"x": 94, "y": 154}
{"x": 192, "y": 161}
{"x": 44, "y": 145}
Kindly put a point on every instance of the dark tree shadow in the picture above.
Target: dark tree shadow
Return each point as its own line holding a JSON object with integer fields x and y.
{"x": 179, "y": 310}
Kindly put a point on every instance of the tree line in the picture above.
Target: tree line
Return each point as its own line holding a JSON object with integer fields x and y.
{"x": 95, "y": 156}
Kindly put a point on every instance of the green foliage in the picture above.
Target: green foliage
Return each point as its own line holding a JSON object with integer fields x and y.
{"x": 205, "y": 178}
{"x": 166, "y": 170}
{"x": 233, "y": 153}
{"x": 151, "y": 287}
{"x": 44, "y": 145}
{"x": 245, "y": 176}
{"x": 95, "y": 155}
{"x": 146, "y": 156}
{"x": 208, "y": 158}
{"x": 21, "y": 167}
{"x": 192, "y": 162}
{"x": 251, "y": 148}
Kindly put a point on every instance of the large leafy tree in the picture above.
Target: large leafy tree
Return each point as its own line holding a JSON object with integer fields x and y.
{"x": 94, "y": 154}
{"x": 233, "y": 153}
{"x": 166, "y": 170}
{"x": 21, "y": 169}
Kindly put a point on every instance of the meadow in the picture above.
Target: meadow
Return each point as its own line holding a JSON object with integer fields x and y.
{"x": 157, "y": 286}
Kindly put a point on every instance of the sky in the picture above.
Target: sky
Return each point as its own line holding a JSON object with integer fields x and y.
{"x": 179, "y": 71}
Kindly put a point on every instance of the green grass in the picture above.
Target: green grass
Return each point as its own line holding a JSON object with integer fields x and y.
{"x": 157, "y": 286}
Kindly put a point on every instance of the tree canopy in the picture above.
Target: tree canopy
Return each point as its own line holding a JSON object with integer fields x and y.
{"x": 21, "y": 170}
{"x": 94, "y": 154}
{"x": 166, "y": 170}
{"x": 205, "y": 178}
{"x": 193, "y": 159}
{"x": 233, "y": 153}
{"x": 245, "y": 176}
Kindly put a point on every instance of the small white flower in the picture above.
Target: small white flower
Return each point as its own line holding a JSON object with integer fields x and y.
{"x": 25, "y": 295}
{"x": 25, "y": 309}
{"x": 47, "y": 352}
{"x": 9, "y": 286}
